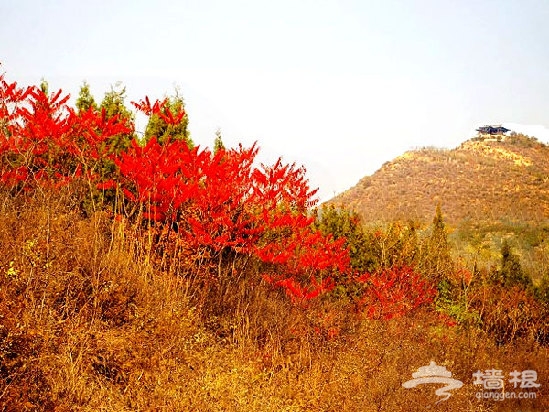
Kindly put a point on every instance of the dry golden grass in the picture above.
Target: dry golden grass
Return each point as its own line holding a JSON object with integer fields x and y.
{"x": 479, "y": 180}
{"x": 89, "y": 323}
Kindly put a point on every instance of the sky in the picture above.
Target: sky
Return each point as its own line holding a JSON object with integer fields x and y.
{"x": 337, "y": 86}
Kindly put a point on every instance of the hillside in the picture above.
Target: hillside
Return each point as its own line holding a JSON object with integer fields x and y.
{"x": 146, "y": 276}
{"x": 483, "y": 180}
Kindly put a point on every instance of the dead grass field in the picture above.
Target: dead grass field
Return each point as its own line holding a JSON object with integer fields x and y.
{"x": 87, "y": 323}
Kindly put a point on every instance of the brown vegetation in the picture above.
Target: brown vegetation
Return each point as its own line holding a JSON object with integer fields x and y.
{"x": 479, "y": 180}
{"x": 153, "y": 276}
{"x": 87, "y": 322}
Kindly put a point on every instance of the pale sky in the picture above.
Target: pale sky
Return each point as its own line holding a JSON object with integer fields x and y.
{"x": 338, "y": 86}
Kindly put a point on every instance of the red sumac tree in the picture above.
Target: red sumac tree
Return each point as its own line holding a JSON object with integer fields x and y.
{"x": 218, "y": 205}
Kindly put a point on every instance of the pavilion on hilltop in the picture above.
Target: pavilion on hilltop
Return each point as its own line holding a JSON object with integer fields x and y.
{"x": 491, "y": 131}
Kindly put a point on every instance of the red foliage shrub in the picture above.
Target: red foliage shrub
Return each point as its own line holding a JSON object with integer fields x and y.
{"x": 43, "y": 141}
{"x": 216, "y": 202}
{"x": 393, "y": 292}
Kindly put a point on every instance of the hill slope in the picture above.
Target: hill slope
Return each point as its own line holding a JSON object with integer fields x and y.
{"x": 483, "y": 180}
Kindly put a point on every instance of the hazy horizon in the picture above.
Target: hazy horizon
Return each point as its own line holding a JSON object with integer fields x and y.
{"x": 338, "y": 86}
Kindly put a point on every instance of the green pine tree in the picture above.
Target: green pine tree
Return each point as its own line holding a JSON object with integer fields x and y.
{"x": 85, "y": 99}
{"x": 44, "y": 86}
{"x": 340, "y": 222}
{"x": 113, "y": 105}
{"x": 218, "y": 142}
{"x": 437, "y": 260}
{"x": 511, "y": 272}
{"x": 163, "y": 131}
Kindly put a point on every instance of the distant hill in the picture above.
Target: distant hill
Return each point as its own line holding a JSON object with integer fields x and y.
{"x": 481, "y": 180}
